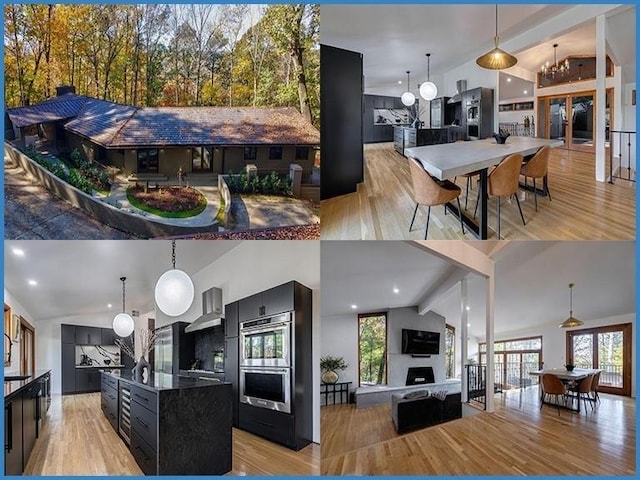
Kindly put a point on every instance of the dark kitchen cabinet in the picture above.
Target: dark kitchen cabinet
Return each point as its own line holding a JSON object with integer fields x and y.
{"x": 231, "y": 360}
{"x": 109, "y": 399}
{"x": 68, "y": 334}
{"x": 276, "y": 300}
{"x": 88, "y": 335}
{"x": 30, "y": 411}
{"x": 341, "y": 104}
{"x": 13, "y": 436}
{"x": 231, "y": 320}
{"x": 87, "y": 380}
{"x": 276, "y": 426}
{"x": 68, "y": 368}
{"x": 107, "y": 336}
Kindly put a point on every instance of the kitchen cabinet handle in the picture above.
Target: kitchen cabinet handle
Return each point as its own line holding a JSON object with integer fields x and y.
{"x": 142, "y": 423}
{"x": 142, "y": 451}
{"x": 140, "y": 396}
{"x": 8, "y": 446}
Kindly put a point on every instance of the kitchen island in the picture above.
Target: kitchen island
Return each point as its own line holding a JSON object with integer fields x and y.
{"x": 26, "y": 401}
{"x": 174, "y": 424}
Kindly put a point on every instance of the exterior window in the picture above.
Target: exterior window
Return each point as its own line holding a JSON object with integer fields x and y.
{"x": 302, "y": 153}
{"x": 372, "y": 349}
{"x": 250, "y": 153}
{"x": 201, "y": 159}
{"x": 275, "y": 153}
{"x": 148, "y": 160}
{"x": 449, "y": 352}
{"x": 513, "y": 360}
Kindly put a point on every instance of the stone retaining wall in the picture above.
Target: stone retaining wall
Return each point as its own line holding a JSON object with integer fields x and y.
{"x": 105, "y": 213}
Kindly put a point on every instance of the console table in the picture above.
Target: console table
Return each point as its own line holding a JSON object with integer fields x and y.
{"x": 339, "y": 393}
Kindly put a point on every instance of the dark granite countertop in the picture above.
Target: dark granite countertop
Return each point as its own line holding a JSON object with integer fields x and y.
{"x": 163, "y": 381}
{"x": 15, "y": 386}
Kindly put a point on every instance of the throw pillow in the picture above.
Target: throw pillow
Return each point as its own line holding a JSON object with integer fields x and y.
{"x": 416, "y": 394}
{"x": 440, "y": 394}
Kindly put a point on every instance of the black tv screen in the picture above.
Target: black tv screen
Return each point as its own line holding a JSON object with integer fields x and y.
{"x": 419, "y": 342}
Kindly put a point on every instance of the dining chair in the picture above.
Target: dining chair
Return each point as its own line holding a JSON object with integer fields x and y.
{"x": 503, "y": 181}
{"x": 583, "y": 390}
{"x": 430, "y": 191}
{"x": 595, "y": 383}
{"x": 553, "y": 386}
{"x": 537, "y": 167}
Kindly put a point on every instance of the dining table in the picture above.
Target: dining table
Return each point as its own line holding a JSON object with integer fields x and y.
{"x": 449, "y": 160}
{"x": 566, "y": 377}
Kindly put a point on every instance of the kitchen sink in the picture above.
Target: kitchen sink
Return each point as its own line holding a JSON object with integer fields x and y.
{"x": 11, "y": 378}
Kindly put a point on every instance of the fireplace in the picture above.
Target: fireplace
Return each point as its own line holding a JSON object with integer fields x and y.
{"x": 420, "y": 375}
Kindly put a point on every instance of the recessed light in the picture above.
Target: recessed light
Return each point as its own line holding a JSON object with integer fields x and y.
{"x": 468, "y": 308}
{"x": 396, "y": 290}
{"x": 508, "y": 79}
{"x": 399, "y": 82}
{"x": 19, "y": 252}
{"x": 525, "y": 92}
{"x": 33, "y": 283}
{"x": 468, "y": 324}
{"x": 109, "y": 305}
{"x": 354, "y": 307}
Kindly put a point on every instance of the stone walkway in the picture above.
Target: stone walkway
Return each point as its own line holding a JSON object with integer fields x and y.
{"x": 31, "y": 212}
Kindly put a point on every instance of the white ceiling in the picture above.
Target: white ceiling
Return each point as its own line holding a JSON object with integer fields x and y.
{"x": 531, "y": 286}
{"x": 82, "y": 277}
{"x": 511, "y": 87}
{"x": 395, "y": 38}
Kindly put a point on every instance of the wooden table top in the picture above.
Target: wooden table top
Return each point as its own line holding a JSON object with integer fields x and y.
{"x": 448, "y": 160}
{"x": 563, "y": 374}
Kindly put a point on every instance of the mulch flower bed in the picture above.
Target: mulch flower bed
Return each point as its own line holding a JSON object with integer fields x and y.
{"x": 298, "y": 232}
{"x": 168, "y": 199}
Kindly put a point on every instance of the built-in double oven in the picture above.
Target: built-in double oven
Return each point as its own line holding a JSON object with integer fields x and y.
{"x": 473, "y": 117}
{"x": 266, "y": 362}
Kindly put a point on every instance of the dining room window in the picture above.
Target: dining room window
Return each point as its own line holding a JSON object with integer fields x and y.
{"x": 372, "y": 349}
{"x": 606, "y": 348}
{"x": 514, "y": 359}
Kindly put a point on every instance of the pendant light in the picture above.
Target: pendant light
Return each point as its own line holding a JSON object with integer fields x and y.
{"x": 496, "y": 59}
{"x": 571, "y": 321}
{"x": 122, "y": 322}
{"x": 408, "y": 98}
{"x": 428, "y": 89}
{"x": 174, "y": 289}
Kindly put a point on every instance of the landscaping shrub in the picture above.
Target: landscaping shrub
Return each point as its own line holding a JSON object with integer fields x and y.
{"x": 171, "y": 202}
{"x": 270, "y": 184}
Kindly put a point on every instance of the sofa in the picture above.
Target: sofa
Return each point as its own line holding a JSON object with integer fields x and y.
{"x": 420, "y": 409}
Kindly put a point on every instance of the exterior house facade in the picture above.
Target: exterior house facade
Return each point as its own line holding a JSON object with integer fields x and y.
{"x": 165, "y": 140}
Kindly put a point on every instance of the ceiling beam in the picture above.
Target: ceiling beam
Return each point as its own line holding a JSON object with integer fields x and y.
{"x": 450, "y": 278}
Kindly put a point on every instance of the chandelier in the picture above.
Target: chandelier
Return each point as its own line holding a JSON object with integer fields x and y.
{"x": 550, "y": 71}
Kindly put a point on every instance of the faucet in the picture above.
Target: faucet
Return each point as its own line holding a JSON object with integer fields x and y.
{"x": 10, "y": 345}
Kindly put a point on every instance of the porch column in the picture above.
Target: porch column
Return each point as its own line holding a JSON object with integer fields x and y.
{"x": 601, "y": 97}
{"x": 490, "y": 286}
{"x": 464, "y": 333}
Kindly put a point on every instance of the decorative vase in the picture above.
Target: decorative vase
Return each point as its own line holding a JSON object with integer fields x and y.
{"x": 329, "y": 377}
{"x": 569, "y": 368}
{"x": 141, "y": 370}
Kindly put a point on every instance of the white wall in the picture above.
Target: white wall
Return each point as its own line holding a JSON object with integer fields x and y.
{"x": 254, "y": 266}
{"x": 340, "y": 339}
{"x": 398, "y": 364}
{"x": 554, "y": 341}
{"x": 18, "y": 309}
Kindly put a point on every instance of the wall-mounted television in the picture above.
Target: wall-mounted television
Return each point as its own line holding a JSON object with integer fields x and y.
{"x": 419, "y": 342}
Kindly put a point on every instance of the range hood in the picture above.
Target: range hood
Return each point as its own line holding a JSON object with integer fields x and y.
{"x": 461, "y": 86}
{"x": 211, "y": 311}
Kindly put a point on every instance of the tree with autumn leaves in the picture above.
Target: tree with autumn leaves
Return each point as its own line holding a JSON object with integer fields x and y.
{"x": 165, "y": 55}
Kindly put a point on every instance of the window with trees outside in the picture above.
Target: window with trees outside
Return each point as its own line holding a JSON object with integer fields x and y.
{"x": 449, "y": 352}
{"x": 514, "y": 359}
{"x": 372, "y": 349}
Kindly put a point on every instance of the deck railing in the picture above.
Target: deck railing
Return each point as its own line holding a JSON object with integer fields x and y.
{"x": 611, "y": 375}
{"x": 517, "y": 129}
{"x": 622, "y": 165}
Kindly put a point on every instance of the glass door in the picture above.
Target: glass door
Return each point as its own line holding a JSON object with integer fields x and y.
{"x": 605, "y": 348}
{"x": 558, "y": 119}
{"x": 582, "y": 122}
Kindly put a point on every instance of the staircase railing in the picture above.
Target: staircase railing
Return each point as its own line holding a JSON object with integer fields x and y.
{"x": 625, "y": 169}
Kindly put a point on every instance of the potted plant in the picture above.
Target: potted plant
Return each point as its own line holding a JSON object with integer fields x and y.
{"x": 330, "y": 367}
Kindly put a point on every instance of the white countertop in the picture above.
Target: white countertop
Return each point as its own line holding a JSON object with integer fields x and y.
{"x": 449, "y": 160}
{"x": 99, "y": 366}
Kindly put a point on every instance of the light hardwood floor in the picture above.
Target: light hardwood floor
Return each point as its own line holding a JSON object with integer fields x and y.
{"x": 78, "y": 440}
{"x": 581, "y": 208}
{"x": 518, "y": 438}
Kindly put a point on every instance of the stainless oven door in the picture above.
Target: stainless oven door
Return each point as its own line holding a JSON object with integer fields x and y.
{"x": 266, "y": 388}
{"x": 267, "y": 345}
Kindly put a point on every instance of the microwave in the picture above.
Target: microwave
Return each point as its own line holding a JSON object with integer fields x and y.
{"x": 268, "y": 388}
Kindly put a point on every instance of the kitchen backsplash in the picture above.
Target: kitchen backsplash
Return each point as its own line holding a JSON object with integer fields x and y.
{"x": 208, "y": 343}
{"x": 96, "y": 355}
